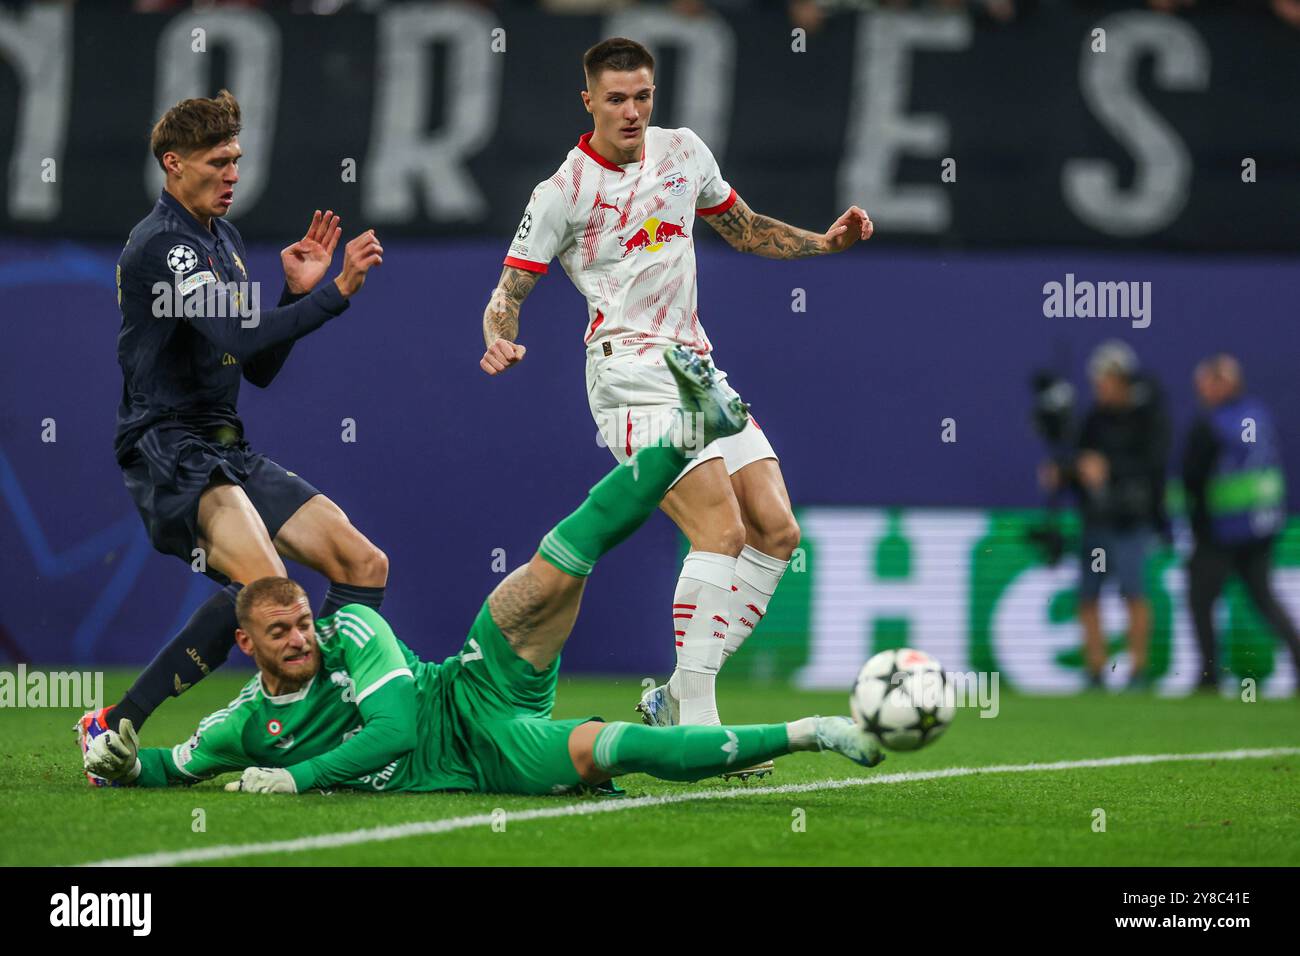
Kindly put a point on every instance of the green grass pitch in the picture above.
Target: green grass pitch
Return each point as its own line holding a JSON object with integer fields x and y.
{"x": 1195, "y": 813}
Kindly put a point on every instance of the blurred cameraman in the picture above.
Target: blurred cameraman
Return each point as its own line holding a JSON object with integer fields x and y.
{"x": 1236, "y": 502}
{"x": 1118, "y": 472}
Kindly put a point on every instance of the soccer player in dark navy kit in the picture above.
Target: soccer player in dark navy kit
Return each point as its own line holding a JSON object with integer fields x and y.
{"x": 192, "y": 327}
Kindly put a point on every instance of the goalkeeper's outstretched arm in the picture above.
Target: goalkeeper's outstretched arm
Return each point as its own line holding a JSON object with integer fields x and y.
{"x": 388, "y": 732}
{"x": 116, "y": 756}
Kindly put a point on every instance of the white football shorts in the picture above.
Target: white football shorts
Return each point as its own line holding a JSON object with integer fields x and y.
{"x": 634, "y": 402}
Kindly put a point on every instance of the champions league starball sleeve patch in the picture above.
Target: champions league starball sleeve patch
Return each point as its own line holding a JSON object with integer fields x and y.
{"x": 181, "y": 259}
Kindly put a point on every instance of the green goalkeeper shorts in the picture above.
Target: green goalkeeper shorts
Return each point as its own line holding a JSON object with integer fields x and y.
{"x": 504, "y": 705}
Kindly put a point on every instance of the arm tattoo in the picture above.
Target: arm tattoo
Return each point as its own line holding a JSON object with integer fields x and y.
{"x": 747, "y": 231}
{"x": 501, "y": 317}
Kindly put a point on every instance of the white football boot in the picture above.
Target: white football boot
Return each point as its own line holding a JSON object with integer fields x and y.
{"x": 844, "y": 736}
{"x": 658, "y": 708}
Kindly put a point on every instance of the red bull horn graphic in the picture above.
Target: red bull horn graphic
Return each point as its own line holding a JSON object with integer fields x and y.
{"x": 652, "y": 234}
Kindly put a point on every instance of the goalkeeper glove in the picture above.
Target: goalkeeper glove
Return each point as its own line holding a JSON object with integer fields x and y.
{"x": 114, "y": 755}
{"x": 264, "y": 780}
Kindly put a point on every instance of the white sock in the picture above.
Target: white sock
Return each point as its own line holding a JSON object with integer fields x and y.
{"x": 802, "y": 734}
{"x": 699, "y": 622}
{"x": 757, "y": 575}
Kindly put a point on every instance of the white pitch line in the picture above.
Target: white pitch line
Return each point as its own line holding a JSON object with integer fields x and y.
{"x": 428, "y": 827}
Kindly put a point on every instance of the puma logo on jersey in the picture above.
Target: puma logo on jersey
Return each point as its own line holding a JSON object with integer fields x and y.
{"x": 622, "y": 213}
{"x": 284, "y": 744}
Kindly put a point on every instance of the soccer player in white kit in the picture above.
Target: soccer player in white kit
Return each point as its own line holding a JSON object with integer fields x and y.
{"x": 620, "y": 213}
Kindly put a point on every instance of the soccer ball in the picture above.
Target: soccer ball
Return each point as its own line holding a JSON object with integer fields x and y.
{"x": 902, "y": 698}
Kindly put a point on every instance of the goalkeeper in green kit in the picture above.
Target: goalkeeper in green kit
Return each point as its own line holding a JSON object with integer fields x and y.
{"x": 341, "y": 702}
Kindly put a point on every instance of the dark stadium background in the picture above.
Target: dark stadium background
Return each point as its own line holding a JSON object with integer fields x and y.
{"x": 934, "y": 318}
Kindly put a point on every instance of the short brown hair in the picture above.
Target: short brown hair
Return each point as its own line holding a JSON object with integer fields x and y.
{"x": 281, "y": 592}
{"x": 618, "y": 54}
{"x": 196, "y": 124}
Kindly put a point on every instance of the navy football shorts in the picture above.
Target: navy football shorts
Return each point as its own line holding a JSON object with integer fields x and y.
{"x": 172, "y": 466}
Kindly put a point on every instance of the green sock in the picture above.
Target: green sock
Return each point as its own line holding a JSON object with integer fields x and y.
{"x": 686, "y": 753}
{"x": 617, "y": 505}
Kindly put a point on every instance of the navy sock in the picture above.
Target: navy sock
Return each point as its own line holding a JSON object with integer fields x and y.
{"x": 341, "y": 594}
{"x": 200, "y": 648}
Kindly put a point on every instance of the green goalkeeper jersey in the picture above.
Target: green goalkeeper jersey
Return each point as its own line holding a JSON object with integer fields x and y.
{"x": 375, "y": 717}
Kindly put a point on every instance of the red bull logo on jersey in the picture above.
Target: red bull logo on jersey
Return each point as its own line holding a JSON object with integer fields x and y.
{"x": 651, "y": 235}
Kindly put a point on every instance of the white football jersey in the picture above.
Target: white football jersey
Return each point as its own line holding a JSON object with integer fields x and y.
{"x": 624, "y": 236}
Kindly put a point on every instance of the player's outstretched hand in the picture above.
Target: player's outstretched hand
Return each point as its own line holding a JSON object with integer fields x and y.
{"x": 855, "y": 224}
{"x": 358, "y": 256}
{"x": 264, "y": 780}
{"x": 306, "y": 261}
{"x": 500, "y": 355}
{"x": 114, "y": 754}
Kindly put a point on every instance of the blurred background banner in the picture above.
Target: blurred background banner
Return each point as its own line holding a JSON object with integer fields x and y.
{"x": 893, "y": 380}
{"x": 1085, "y": 125}
{"x": 971, "y": 588}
